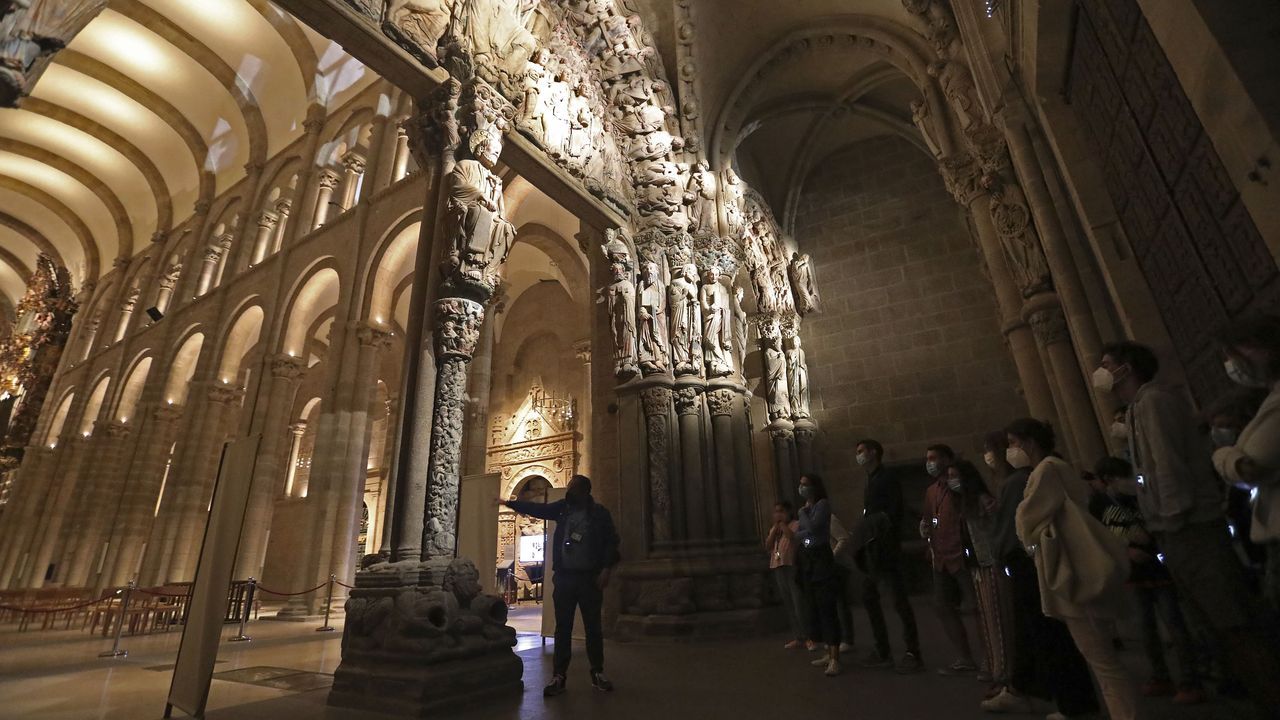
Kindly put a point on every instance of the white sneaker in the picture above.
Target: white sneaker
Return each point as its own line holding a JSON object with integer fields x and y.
{"x": 1007, "y": 702}
{"x": 822, "y": 661}
{"x": 846, "y": 647}
{"x": 833, "y": 668}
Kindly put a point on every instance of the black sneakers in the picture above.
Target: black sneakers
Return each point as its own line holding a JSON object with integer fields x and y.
{"x": 600, "y": 682}
{"x": 555, "y": 688}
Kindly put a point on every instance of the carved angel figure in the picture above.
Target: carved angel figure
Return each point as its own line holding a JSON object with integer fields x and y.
{"x": 717, "y": 325}
{"x": 686, "y": 327}
{"x": 798, "y": 379}
{"x": 582, "y": 125}
{"x": 620, "y": 296}
{"x": 480, "y": 232}
{"x": 803, "y": 285}
{"x": 653, "y": 321}
{"x": 534, "y": 113}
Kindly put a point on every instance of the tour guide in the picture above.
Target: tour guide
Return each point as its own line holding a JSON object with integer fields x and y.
{"x": 583, "y": 552}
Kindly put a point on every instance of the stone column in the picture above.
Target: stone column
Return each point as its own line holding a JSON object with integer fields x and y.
{"x": 208, "y": 269}
{"x": 720, "y": 402}
{"x": 805, "y": 430}
{"x": 262, "y": 241}
{"x": 382, "y": 145}
{"x": 744, "y": 465}
{"x": 23, "y": 517}
{"x": 283, "y": 207}
{"x": 126, "y": 311}
{"x": 137, "y": 508}
{"x": 583, "y": 409}
{"x": 400, "y": 167}
{"x": 105, "y": 486}
{"x": 167, "y": 283}
{"x": 1050, "y": 326}
{"x": 784, "y": 450}
{"x": 656, "y": 402}
{"x": 267, "y": 483}
{"x": 225, "y": 242}
{"x": 291, "y": 487}
{"x": 61, "y": 495}
{"x": 90, "y": 337}
{"x": 478, "y": 393}
{"x": 353, "y": 165}
{"x": 325, "y": 184}
{"x": 698, "y": 512}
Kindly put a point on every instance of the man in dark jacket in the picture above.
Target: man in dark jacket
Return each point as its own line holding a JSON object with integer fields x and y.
{"x": 884, "y": 496}
{"x": 584, "y": 550}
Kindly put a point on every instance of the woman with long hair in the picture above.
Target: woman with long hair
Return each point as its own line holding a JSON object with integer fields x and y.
{"x": 978, "y": 507}
{"x": 819, "y": 578}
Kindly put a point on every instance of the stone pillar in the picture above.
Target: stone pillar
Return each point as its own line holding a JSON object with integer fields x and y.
{"x": 208, "y": 269}
{"x": 583, "y": 410}
{"x": 267, "y": 483}
{"x": 805, "y": 430}
{"x": 656, "y": 401}
{"x": 167, "y": 283}
{"x": 784, "y": 451}
{"x": 1047, "y": 320}
{"x": 105, "y": 486}
{"x": 225, "y": 242}
{"x": 720, "y": 402}
{"x": 325, "y": 185}
{"x": 353, "y": 171}
{"x": 698, "y": 512}
{"x": 400, "y": 167}
{"x": 262, "y": 241}
{"x": 90, "y": 337}
{"x": 291, "y": 487}
{"x": 283, "y": 207}
{"x": 305, "y": 196}
{"x": 478, "y": 393}
{"x": 126, "y": 311}
{"x": 61, "y": 495}
{"x": 137, "y": 508}
{"x": 22, "y": 519}
{"x": 745, "y": 466}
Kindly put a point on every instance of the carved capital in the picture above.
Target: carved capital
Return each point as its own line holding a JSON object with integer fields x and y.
{"x": 287, "y": 367}
{"x": 201, "y": 208}
{"x": 328, "y": 179}
{"x": 720, "y": 402}
{"x": 373, "y": 336}
{"x": 168, "y": 413}
{"x": 298, "y": 429}
{"x": 268, "y": 220}
{"x": 117, "y": 430}
{"x": 780, "y": 434}
{"x": 283, "y": 207}
{"x": 688, "y": 400}
{"x": 582, "y": 350}
{"x": 656, "y": 401}
{"x": 158, "y": 236}
{"x": 1049, "y": 326}
{"x": 457, "y": 329}
{"x": 131, "y": 299}
{"x": 353, "y": 163}
{"x": 223, "y": 394}
{"x": 963, "y": 178}
{"x": 314, "y": 124}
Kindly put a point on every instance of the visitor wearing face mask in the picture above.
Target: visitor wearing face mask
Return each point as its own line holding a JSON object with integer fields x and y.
{"x": 818, "y": 574}
{"x": 993, "y": 450}
{"x": 584, "y": 550}
{"x": 978, "y": 506}
{"x": 1081, "y": 566}
{"x": 1044, "y": 663}
{"x": 1181, "y": 500}
{"x": 1225, "y": 419}
{"x": 782, "y": 566}
{"x": 1152, "y": 587}
{"x": 1252, "y": 348}
{"x": 883, "y": 494}
{"x": 943, "y": 528}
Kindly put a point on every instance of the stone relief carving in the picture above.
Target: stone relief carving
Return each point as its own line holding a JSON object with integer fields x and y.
{"x": 1018, "y": 237}
{"x": 700, "y": 196}
{"x": 657, "y": 404}
{"x": 720, "y": 402}
{"x": 804, "y": 287}
{"x": 457, "y": 327}
{"x": 653, "y": 321}
{"x": 687, "y": 400}
{"x": 717, "y": 324}
{"x": 797, "y": 378}
{"x": 686, "y": 326}
{"x": 480, "y": 234}
{"x": 777, "y": 397}
{"x": 417, "y": 25}
{"x": 957, "y": 86}
{"x": 1049, "y": 326}
{"x": 923, "y": 120}
{"x": 739, "y": 331}
{"x": 491, "y": 37}
{"x": 620, "y": 298}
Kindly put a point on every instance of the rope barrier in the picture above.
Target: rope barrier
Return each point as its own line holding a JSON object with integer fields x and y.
{"x": 15, "y": 608}
{"x": 349, "y": 587}
{"x": 144, "y": 591}
{"x": 285, "y": 594}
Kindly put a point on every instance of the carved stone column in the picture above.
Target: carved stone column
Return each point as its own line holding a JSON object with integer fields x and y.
{"x": 284, "y": 206}
{"x": 126, "y": 311}
{"x": 701, "y": 517}
{"x": 61, "y": 495}
{"x": 208, "y": 269}
{"x": 22, "y": 518}
{"x": 353, "y": 166}
{"x": 267, "y": 222}
{"x": 326, "y": 183}
{"x": 480, "y": 386}
{"x": 657, "y": 415}
{"x": 138, "y": 507}
{"x": 305, "y": 195}
{"x": 1050, "y": 326}
{"x": 720, "y": 403}
{"x": 167, "y": 283}
{"x": 266, "y": 483}
{"x": 782, "y": 432}
{"x": 400, "y": 167}
{"x": 292, "y": 488}
{"x": 805, "y": 431}
{"x": 104, "y": 485}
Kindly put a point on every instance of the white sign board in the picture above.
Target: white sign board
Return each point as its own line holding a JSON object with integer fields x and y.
{"x": 478, "y": 525}
{"x": 531, "y": 549}
{"x": 198, "y": 649}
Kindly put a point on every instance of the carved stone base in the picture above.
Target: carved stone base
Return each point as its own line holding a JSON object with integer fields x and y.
{"x": 420, "y": 638}
{"x": 717, "y": 595}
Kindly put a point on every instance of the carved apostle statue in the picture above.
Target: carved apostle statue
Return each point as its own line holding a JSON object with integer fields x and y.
{"x": 653, "y": 321}
{"x": 686, "y": 351}
{"x": 494, "y": 32}
{"x": 534, "y": 113}
{"x": 700, "y": 196}
{"x": 798, "y": 379}
{"x": 775, "y": 378}
{"x": 803, "y": 286}
{"x": 717, "y": 324}
{"x": 480, "y": 232}
{"x": 620, "y": 296}
{"x": 739, "y": 331}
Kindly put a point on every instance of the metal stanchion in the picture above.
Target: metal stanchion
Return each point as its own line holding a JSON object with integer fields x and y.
{"x": 115, "y": 650}
{"x": 328, "y": 601}
{"x": 244, "y": 612}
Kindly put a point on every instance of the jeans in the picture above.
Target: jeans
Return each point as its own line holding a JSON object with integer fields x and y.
{"x": 901, "y": 604}
{"x": 1160, "y": 606}
{"x": 1045, "y": 661}
{"x": 788, "y": 589}
{"x": 574, "y": 590}
{"x": 1095, "y": 644}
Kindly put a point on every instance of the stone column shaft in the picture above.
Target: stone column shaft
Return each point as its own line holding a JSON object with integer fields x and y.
{"x": 104, "y": 483}
{"x": 23, "y": 517}
{"x": 697, "y": 513}
{"x": 325, "y": 185}
{"x": 1050, "y": 327}
{"x": 208, "y": 269}
{"x": 283, "y": 208}
{"x": 400, "y": 168}
{"x": 267, "y": 222}
{"x": 657, "y": 413}
{"x": 784, "y": 441}
{"x": 291, "y": 487}
{"x": 720, "y": 401}
{"x": 137, "y": 511}
{"x": 61, "y": 496}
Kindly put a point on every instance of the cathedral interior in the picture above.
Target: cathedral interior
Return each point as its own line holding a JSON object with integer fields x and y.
{"x": 348, "y": 270}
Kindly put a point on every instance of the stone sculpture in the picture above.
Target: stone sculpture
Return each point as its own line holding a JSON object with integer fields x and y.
{"x": 535, "y": 116}
{"x": 797, "y": 378}
{"x": 804, "y": 287}
{"x": 653, "y": 321}
{"x": 700, "y": 196}
{"x": 686, "y": 352}
{"x": 717, "y": 325}
{"x": 1018, "y": 236}
{"x": 739, "y": 331}
{"x": 581, "y": 126}
{"x": 620, "y": 298}
{"x": 493, "y": 32}
{"x": 731, "y": 186}
{"x": 480, "y": 234}
{"x": 777, "y": 397}
{"x": 418, "y": 24}
{"x": 921, "y": 116}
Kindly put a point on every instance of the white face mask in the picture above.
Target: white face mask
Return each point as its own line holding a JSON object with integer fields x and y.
{"x": 1223, "y": 436}
{"x": 1241, "y": 375}
{"x": 1103, "y": 380}
{"x": 990, "y": 459}
{"x": 862, "y": 458}
{"x": 1017, "y": 457}
{"x": 1120, "y": 430}
{"x": 954, "y": 484}
{"x": 933, "y": 468}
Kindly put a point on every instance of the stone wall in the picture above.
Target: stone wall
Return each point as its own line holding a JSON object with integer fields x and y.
{"x": 908, "y": 349}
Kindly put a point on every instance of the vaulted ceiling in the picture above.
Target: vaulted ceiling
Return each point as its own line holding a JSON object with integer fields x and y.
{"x": 154, "y": 106}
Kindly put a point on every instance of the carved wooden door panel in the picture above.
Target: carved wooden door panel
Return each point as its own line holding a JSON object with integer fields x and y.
{"x": 1193, "y": 238}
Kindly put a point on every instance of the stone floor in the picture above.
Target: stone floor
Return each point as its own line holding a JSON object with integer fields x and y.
{"x": 284, "y": 673}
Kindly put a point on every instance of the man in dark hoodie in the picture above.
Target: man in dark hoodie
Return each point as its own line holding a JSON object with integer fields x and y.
{"x": 584, "y": 550}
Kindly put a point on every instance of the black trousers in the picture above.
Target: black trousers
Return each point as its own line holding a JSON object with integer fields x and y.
{"x": 821, "y": 589}
{"x": 578, "y": 591}
{"x": 1046, "y": 662}
{"x": 897, "y": 581}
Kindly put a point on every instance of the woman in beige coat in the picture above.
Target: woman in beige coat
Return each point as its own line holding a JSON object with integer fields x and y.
{"x": 1052, "y": 488}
